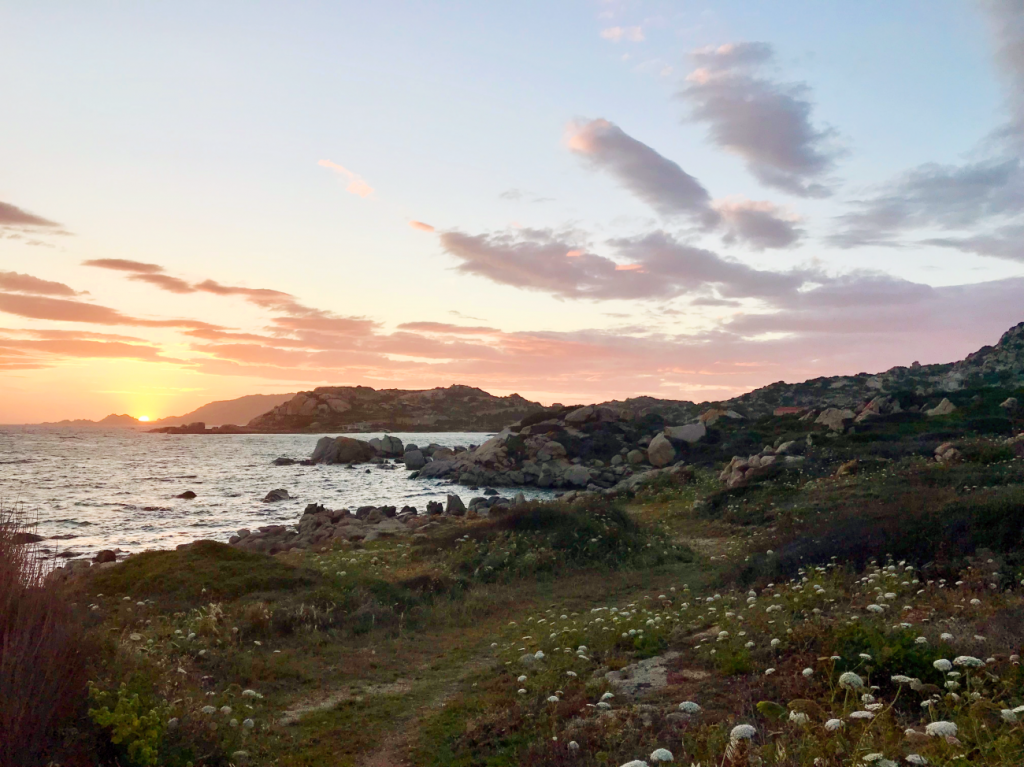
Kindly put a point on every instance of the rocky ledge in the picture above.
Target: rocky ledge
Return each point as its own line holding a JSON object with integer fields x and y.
{"x": 321, "y": 527}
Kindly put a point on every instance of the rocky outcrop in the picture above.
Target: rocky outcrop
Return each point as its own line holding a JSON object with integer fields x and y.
{"x": 1001, "y": 365}
{"x": 742, "y": 470}
{"x": 591, "y": 448}
{"x": 360, "y": 408}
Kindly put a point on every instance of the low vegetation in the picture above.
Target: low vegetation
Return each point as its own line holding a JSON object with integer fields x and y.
{"x": 864, "y": 606}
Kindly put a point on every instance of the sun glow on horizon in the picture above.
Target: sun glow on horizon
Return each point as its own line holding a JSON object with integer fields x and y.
{"x": 143, "y": 417}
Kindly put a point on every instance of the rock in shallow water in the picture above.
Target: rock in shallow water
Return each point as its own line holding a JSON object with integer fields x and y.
{"x": 280, "y": 494}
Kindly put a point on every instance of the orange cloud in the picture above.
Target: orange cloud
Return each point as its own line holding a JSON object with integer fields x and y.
{"x": 629, "y": 267}
{"x": 26, "y": 283}
{"x": 574, "y": 254}
{"x": 356, "y": 185}
{"x": 124, "y": 265}
{"x": 421, "y": 226}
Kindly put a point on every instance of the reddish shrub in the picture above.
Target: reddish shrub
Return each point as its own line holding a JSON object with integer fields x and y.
{"x": 42, "y": 649}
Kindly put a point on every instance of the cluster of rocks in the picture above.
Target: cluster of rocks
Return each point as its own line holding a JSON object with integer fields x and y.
{"x": 361, "y": 408}
{"x": 103, "y": 559}
{"x": 741, "y": 470}
{"x": 349, "y": 450}
{"x": 947, "y": 453}
{"x": 200, "y": 428}
{"x": 592, "y": 448}
{"x": 321, "y": 527}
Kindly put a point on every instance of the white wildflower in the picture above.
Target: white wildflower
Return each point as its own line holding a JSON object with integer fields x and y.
{"x": 742, "y": 732}
{"x": 941, "y": 729}
{"x": 661, "y": 755}
{"x": 968, "y": 661}
{"x": 851, "y": 681}
{"x": 943, "y": 665}
{"x": 689, "y": 707}
{"x": 833, "y": 724}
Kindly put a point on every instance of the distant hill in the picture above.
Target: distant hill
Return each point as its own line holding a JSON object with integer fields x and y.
{"x": 360, "y": 408}
{"x": 237, "y": 411}
{"x": 112, "y": 421}
{"x": 991, "y": 367}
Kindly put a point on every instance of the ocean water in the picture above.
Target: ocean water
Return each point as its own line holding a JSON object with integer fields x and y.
{"x": 114, "y": 489}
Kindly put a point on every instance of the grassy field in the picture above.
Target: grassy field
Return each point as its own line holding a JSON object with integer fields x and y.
{"x": 872, "y": 614}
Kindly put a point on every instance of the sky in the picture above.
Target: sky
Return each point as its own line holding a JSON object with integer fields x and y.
{"x": 575, "y": 201}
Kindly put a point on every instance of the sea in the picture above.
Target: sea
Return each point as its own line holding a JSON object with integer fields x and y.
{"x": 86, "y": 490}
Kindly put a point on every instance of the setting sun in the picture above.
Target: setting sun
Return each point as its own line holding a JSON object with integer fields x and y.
{"x": 143, "y": 417}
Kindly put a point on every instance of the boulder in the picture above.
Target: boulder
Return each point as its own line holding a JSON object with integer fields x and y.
{"x": 284, "y": 461}
{"x": 443, "y": 454}
{"x": 342, "y": 450}
{"x": 580, "y": 475}
{"x": 435, "y": 507}
{"x": 691, "y": 432}
{"x": 943, "y": 408}
{"x": 580, "y": 415}
{"x": 635, "y": 457}
{"x": 455, "y": 506}
{"x": 392, "y": 446}
{"x": 1009, "y": 404}
{"x": 834, "y": 418}
{"x": 20, "y": 539}
{"x": 660, "y": 452}
{"x": 280, "y": 494}
{"x": 105, "y": 556}
{"x": 188, "y": 495}
{"x": 414, "y": 459}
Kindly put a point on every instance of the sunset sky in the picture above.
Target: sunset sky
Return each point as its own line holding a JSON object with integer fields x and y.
{"x": 575, "y": 201}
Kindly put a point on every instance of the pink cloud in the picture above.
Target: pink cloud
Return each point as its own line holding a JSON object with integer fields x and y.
{"x": 421, "y": 226}
{"x": 618, "y": 34}
{"x": 356, "y": 185}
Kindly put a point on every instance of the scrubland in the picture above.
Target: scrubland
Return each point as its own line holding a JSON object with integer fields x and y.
{"x": 864, "y": 607}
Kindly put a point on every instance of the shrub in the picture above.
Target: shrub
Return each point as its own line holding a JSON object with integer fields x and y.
{"x": 43, "y": 650}
{"x": 133, "y": 728}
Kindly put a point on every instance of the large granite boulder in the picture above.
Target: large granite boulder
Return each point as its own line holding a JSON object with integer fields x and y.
{"x": 943, "y": 408}
{"x": 691, "y": 432}
{"x": 391, "y": 447}
{"x": 660, "y": 452}
{"x": 414, "y": 460}
{"x": 578, "y": 476}
{"x": 835, "y": 418}
{"x": 342, "y": 450}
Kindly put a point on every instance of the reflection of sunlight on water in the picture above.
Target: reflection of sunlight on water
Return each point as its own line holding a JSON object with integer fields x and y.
{"x": 119, "y": 485}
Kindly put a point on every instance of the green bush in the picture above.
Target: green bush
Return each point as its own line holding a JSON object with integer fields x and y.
{"x": 134, "y": 727}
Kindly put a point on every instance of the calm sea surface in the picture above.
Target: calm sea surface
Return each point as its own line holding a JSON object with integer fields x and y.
{"x": 99, "y": 489}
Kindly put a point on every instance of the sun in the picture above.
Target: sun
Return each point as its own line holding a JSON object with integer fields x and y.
{"x": 143, "y": 417}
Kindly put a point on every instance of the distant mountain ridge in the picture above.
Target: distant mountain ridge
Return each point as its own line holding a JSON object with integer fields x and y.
{"x": 112, "y": 421}
{"x": 237, "y": 411}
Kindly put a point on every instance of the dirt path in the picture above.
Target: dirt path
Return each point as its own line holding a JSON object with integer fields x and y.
{"x": 393, "y": 751}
